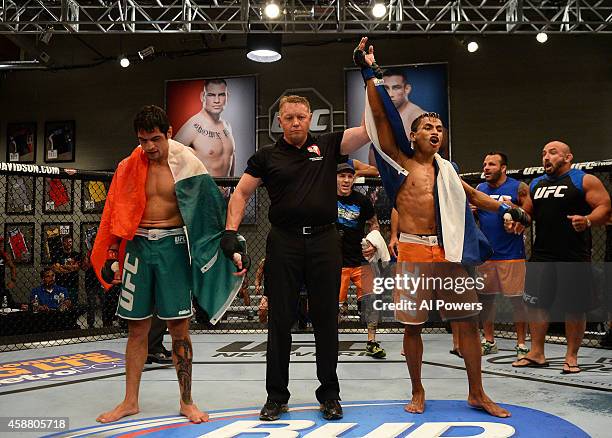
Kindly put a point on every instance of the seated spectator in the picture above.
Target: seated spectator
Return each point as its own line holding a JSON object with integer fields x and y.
{"x": 49, "y": 296}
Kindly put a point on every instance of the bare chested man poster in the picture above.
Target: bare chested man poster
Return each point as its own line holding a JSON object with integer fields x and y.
{"x": 208, "y": 134}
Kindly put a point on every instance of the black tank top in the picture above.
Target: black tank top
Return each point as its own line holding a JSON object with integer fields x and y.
{"x": 554, "y": 198}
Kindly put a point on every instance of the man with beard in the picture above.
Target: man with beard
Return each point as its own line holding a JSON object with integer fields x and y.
{"x": 504, "y": 272}
{"x": 566, "y": 204}
{"x": 208, "y": 134}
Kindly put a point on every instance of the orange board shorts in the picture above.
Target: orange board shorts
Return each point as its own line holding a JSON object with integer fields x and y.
{"x": 350, "y": 275}
{"x": 444, "y": 288}
{"x": 503, "y": 276}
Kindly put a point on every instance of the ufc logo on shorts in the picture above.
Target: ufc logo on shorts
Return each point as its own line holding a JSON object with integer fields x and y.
{"x": 545, "y": 192}
{"x": 127, "y": 291}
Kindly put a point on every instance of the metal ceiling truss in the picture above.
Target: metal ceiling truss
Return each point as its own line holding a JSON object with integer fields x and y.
{"x": 306, "y": 16}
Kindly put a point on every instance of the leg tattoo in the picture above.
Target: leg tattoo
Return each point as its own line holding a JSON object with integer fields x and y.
{"x": 183, "y": 352}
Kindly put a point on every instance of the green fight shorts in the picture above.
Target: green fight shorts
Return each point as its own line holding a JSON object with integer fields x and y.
{"x": 156, "y": 276}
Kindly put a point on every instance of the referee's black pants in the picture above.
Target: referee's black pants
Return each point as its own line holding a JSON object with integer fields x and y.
{"x": 291, "y": 261}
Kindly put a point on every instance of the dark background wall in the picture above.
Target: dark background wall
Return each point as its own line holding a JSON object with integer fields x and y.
{"x": 514, "y": 94}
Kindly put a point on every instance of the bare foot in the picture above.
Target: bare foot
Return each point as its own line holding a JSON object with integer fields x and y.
{"x": 193, "y": 413}
{"x": 417, "y": 404}
{"x": 488, "y": 405}
{"x": 123, "y": 409}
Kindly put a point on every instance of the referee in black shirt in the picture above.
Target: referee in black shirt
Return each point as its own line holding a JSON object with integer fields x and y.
{"x": 303, "y": 247}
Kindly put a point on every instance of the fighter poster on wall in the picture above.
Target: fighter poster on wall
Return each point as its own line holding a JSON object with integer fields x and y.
{"x": 217, "y": 118}
{"x": 21, "y": 142}
{"x": 414, "y": 89}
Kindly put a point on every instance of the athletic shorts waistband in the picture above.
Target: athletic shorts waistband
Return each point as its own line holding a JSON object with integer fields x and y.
{"x": 159, "y": 233}
{"x": 420, "y": 240}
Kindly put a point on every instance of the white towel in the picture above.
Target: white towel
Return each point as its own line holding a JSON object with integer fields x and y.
{"x": 451, "y": 199}
{"x": 377, "y": 241}
{"x": 451, "y": 196}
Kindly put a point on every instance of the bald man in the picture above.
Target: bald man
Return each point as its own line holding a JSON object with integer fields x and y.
{"x": 208, "y": 134}
{"x": 566, "y": 204}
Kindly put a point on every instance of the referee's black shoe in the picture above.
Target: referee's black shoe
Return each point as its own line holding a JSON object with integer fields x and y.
{"x": 272, "y": 410}
{"x": 163, "y": 357}
{"x": 331, "y": 410}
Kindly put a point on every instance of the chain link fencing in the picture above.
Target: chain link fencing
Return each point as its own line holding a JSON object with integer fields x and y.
{"x": 50, "y": 217}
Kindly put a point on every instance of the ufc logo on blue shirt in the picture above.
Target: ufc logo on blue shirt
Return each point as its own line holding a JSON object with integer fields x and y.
{"x": 545, "y": 192}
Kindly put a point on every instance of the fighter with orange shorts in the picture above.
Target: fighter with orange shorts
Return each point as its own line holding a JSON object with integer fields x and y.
{"x": 429, "y": 196}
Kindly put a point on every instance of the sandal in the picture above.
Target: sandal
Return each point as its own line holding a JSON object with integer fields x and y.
{"x": 531, "y": 364}
{"x": 456, "y": 352}
{"x": 570, "y": 369}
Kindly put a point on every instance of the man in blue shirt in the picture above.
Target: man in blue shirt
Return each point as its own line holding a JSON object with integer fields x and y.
{"x": 49, "y": 296}
{"x": 505, "y": 272}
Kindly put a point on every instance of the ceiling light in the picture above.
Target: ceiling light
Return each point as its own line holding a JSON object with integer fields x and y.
{"x": 379, "y": 10}
{"x": 146, "y": 52}
{"x": 264, "y": 47}
{"x": 272, "y": 10}
{"x": 542, "y": 37}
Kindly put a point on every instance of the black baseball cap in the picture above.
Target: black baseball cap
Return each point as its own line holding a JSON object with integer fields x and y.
{"x": 345, "y": 167}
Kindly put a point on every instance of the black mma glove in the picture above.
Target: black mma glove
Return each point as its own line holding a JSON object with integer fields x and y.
{"x": 516, "y": 213}
{"x": 367, "y": 71}
{"x": 110, "y": 270}
{"x": 231, "y": 243}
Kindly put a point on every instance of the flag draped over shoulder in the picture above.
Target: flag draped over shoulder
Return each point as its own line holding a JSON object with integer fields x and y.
{"x": 203, "y": 210}
{"x": 462, "y": 240}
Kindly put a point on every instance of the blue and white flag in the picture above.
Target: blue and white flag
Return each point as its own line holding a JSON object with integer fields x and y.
{"x": 462, "y": 240}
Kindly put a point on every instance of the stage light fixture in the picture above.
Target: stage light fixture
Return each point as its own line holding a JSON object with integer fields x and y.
{"x": 472, "y": 46}
{"x": 379, "y": 10}
{"x": 272, "y": 10}
{"x": 124, "y": 61}
{"x": 542, "y": 37}
{"x": 264, "y": 47}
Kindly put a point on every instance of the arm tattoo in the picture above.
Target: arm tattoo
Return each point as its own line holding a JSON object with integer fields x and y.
{"x": 182, "y": 350}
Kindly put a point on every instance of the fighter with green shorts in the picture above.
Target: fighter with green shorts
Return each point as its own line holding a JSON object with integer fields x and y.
{"x": 156, "y": 275}
{"x": 142, "y": 210}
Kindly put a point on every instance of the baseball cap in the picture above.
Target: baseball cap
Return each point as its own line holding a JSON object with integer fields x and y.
{"x": 345, "y": 167}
